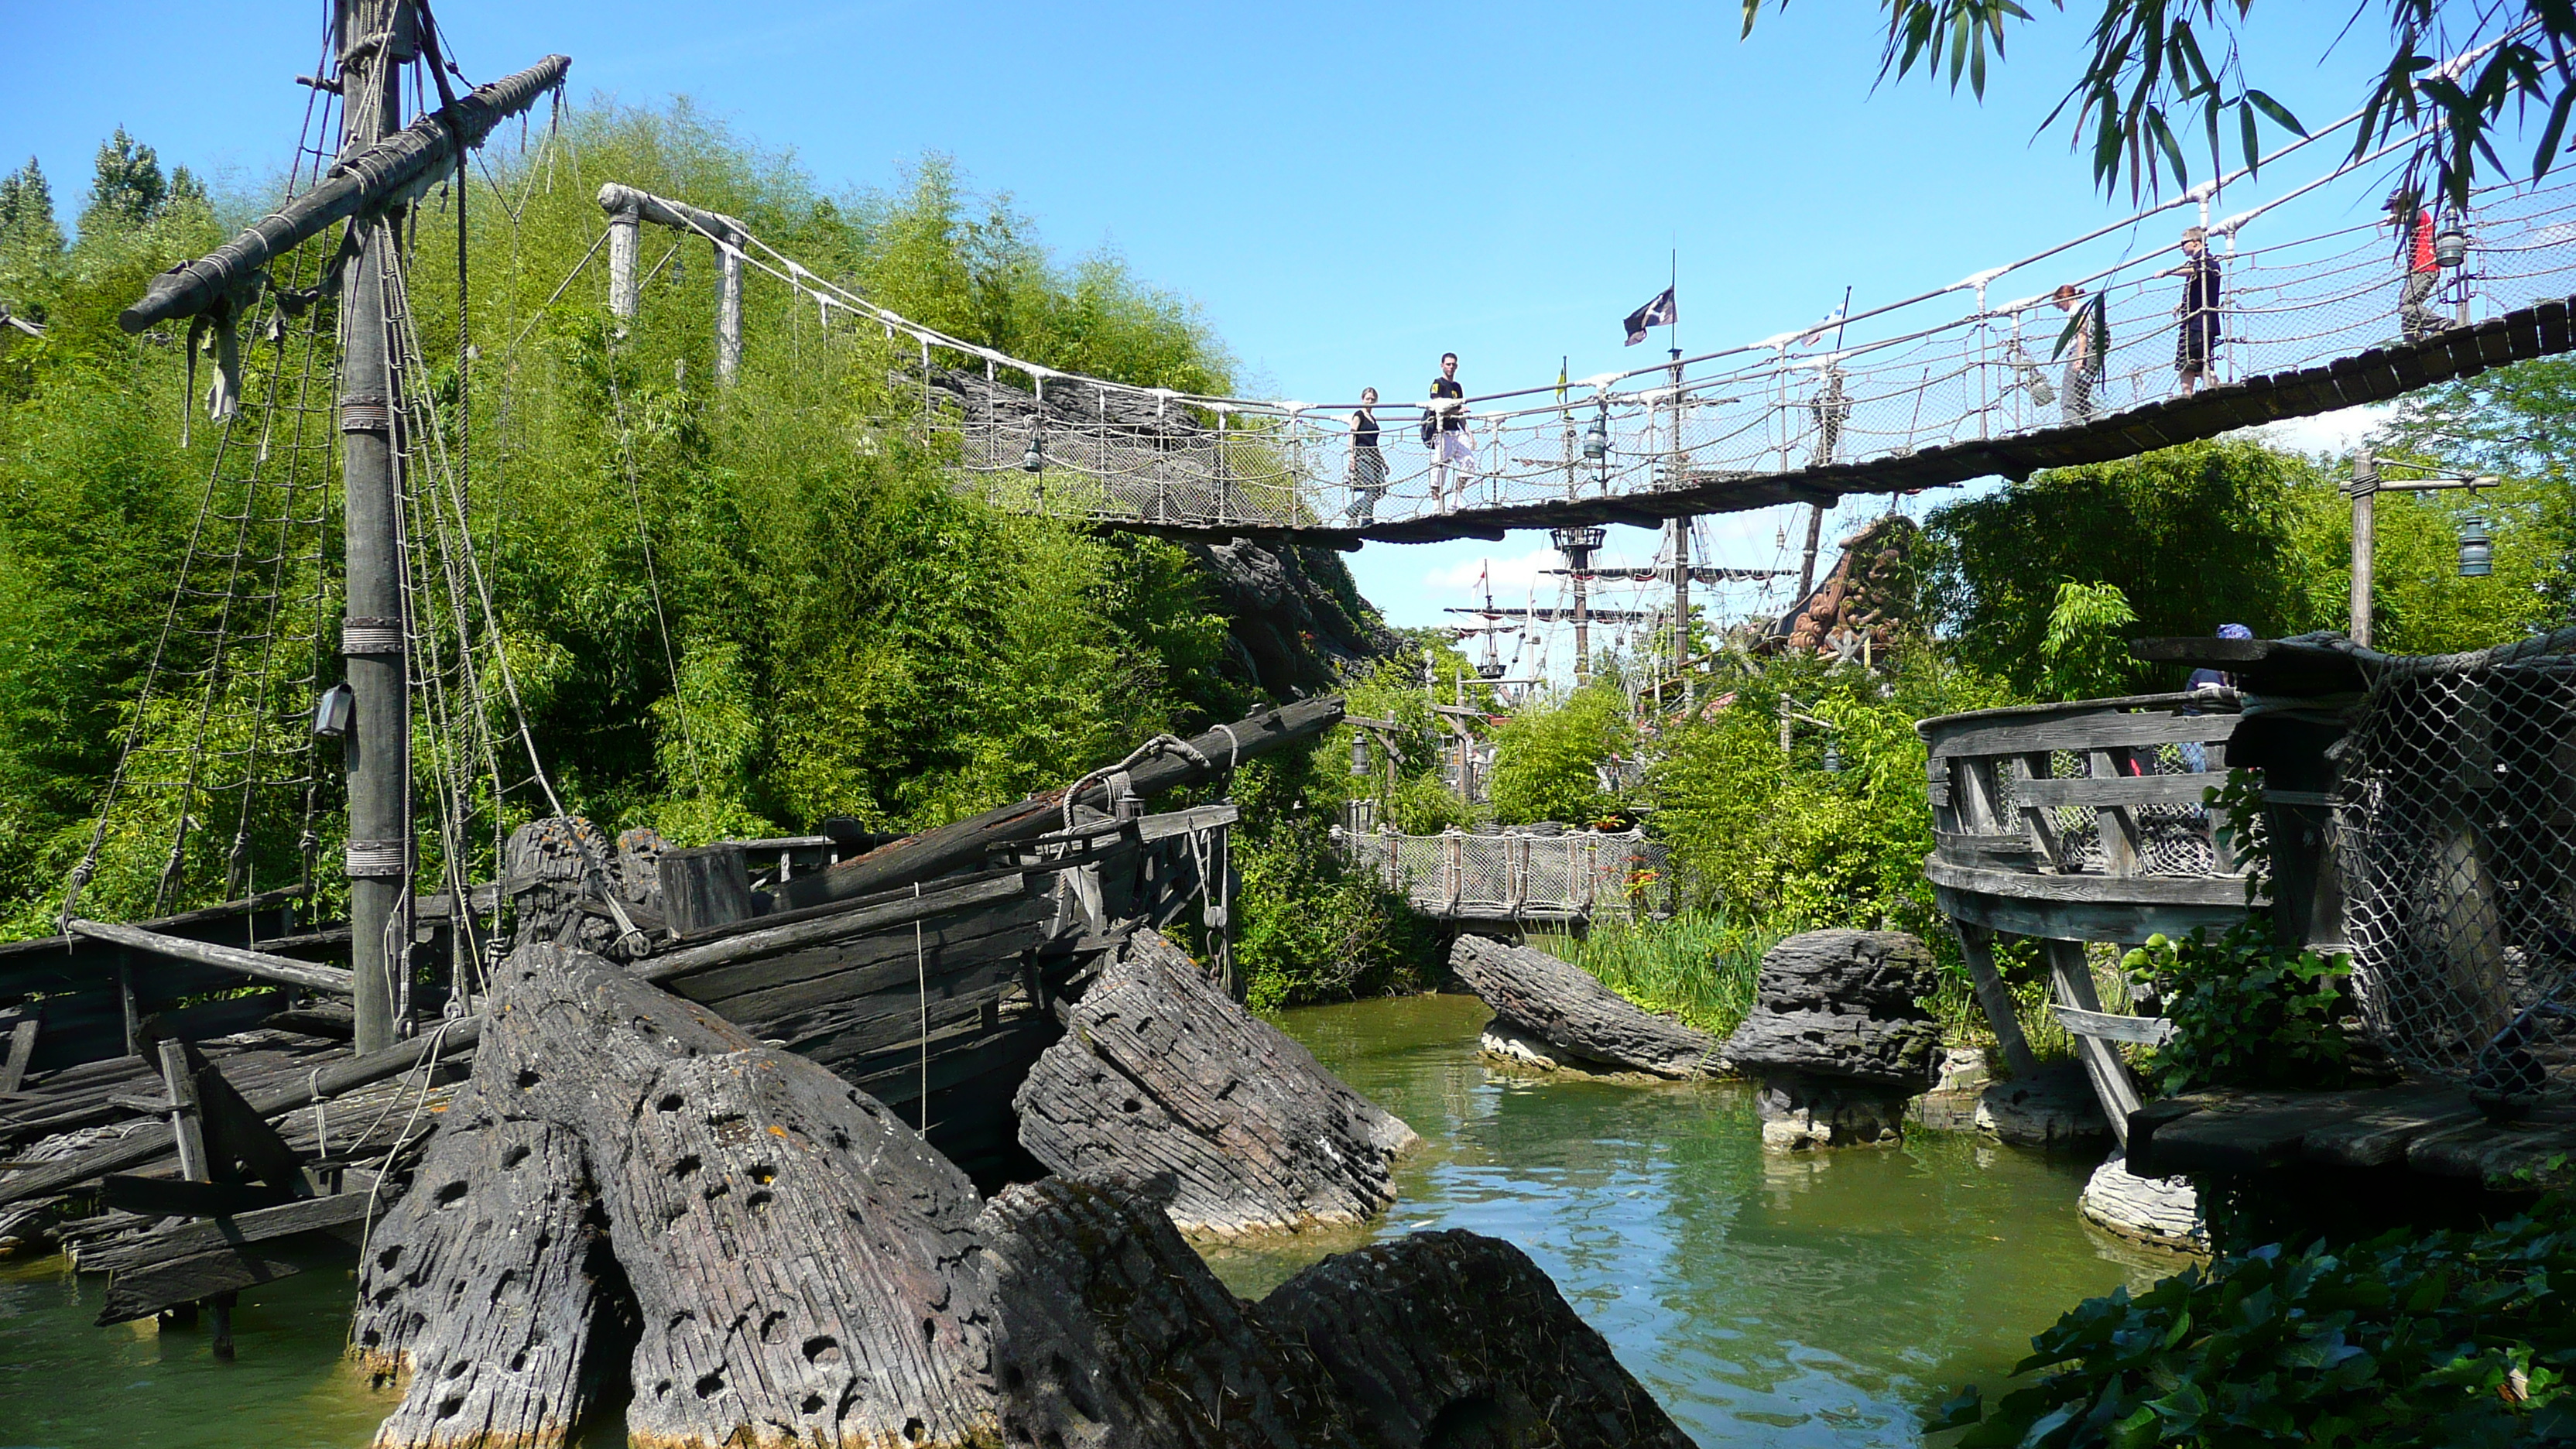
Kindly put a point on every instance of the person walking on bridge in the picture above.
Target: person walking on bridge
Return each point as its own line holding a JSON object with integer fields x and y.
{"x": 2084, "y": 351}
{"x": 2415, "y": 320}
{"x": 2196, "y": 341}
{"x": 1367, "y": 465}
{"x": 1453, "y": 449}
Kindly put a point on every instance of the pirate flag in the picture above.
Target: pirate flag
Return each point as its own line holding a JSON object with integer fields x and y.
{"x": 1658, "y": 313}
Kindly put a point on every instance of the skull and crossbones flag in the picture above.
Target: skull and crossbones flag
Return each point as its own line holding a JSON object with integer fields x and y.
{"x": 1660, "y": 312}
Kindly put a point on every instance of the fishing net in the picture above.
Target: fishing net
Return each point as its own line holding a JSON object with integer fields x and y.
{"x": 2457, "y": 838}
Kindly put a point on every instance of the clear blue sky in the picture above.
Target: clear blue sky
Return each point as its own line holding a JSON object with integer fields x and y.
{"x": 1347, "y": 190}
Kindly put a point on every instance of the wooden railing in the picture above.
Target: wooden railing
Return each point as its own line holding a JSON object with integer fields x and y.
{"x": 2080, "y": 822}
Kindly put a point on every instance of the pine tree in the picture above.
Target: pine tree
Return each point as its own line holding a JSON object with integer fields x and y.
{"x": 186, "y": 191}
{"x": 128, "y": 190}
{"x": 27, "y": 214}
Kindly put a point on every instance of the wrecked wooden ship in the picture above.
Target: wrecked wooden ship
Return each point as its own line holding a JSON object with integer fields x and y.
{"x": 834, "y": 1139}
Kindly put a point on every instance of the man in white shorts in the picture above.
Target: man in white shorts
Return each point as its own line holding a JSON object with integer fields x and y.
{"x": 1452, "y": 446}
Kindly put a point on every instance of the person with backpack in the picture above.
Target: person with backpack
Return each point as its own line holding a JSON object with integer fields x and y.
{"x": 2416, "y": 320}
{"x": 1444, "y": 431}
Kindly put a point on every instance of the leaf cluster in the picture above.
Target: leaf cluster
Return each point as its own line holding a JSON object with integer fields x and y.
{"x": 2446, "y": 1338}
{"x": 2246, "y": 1012}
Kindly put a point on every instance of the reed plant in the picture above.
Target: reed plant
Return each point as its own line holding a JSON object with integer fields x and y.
{"x": 1698, "y": 966}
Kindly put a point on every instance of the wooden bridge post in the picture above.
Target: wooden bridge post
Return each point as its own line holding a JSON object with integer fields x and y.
{"x": 1977, "y": 944}
{"x": 624, "y": 227}
{"x": 2073, "y": 979}
{"x": 728, "y": 307}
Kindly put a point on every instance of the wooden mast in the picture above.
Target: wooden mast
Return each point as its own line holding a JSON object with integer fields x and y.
{"x": 377, "y": 38}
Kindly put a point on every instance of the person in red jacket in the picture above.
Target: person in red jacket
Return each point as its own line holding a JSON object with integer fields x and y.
{"x": 2416, "y": 318}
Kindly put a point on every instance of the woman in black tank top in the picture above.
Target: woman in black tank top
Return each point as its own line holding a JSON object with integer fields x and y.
{"x": 1368, "y": 465}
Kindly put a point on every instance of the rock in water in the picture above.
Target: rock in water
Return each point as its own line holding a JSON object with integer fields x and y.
{"x": 2162, "y": 1212}
{"x": 1539, "y": 995}
{"x": 796, "y": 1261}
{"x": 1838, "y": 1038}
{"x": 1113, "y": 1334}
{"x": 1458, "y": 1339}
{"x": 1162, "y": 1077}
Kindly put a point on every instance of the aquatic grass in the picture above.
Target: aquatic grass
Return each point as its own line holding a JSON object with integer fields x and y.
{"x": 1698, "y": 966}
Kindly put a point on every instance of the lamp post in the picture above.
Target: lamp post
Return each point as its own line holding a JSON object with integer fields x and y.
{"x": 2477, "y": 551}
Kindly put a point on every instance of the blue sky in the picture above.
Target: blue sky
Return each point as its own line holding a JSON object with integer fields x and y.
{"x": 1346, "y": 190}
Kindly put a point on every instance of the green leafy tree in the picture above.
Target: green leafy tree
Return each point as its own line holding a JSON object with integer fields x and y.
{"x": 1545, "y": 758}
{"x": 31, "y": 241}
{"x": 2192, "y": 537}
{"x": 128, "y": 188}
{"x": 2084, "y": 653}
{"x": 2518, "y": 422}
{"x": 2166, "y": 80}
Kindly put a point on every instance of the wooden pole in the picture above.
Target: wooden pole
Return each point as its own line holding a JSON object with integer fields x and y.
{"x": 1977, "y": 944}
{"x": 1807, "y": 563}
{"x": 2365, "y": 529}
{"x": 231, "y": 958}
{"x": 624, "y": 228}
{"x": 380, "y": 38}
{"x": 2111, "y": 1084}
{"x": 728, "y": 309}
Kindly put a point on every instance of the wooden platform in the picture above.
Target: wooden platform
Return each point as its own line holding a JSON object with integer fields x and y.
{"x": 2429, "y": 1131}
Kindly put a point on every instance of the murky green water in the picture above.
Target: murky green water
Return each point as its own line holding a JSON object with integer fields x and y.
{"x": 1765, "y": 1301}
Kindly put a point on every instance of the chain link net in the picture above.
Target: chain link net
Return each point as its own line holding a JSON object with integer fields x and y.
{"x": 2456, "y": 833}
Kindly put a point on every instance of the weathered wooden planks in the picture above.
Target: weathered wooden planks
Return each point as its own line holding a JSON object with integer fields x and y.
{"x": 2430, "y": 1130}
{"x": 1162, "y": 1076}
{"x": 261, "y": 964}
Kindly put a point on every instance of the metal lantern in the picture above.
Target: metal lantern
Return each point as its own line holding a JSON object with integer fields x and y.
{"x": 332, "y": 712}
{"x": 1833, "y": 757}
{"x": 1034, "y": 460}
{"x": 2477, "y": 549}
{"x": 1489, "y": 671}
{"x": 1596, "y": 439}
{"x": 1359, "y": 752}
{"x": 2451, "y": 248}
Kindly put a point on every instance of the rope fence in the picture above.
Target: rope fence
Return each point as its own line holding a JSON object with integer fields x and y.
{"x": 1518, "y": 874}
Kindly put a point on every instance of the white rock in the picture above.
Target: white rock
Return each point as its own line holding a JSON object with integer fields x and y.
{"x": 2161, "y": 1211}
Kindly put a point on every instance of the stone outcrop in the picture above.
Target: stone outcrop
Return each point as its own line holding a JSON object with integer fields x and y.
{"x": 1838, "y": 1037}
{"x": 2161, "y": 1212}
{"x": 1297, "y": 620}
{"x": 1549, "y": 1000}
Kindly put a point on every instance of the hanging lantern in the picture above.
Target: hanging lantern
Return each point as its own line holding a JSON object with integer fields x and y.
{"x": 2451, "y": 248}
{"x": 2477, "y": 549}
{"x": 1833, "y": 757}
{"x": 331, "y": 713}
{"x": 1596, "y": 439}
{"x": 1359, "y": 752}
{"x": 1489, "y": 670}
{"x": 1034, "y": 460}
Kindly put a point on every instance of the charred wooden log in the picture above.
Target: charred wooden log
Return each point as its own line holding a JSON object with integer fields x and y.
{"x": 1549, "y": 998}
{"x": 1113, "y": 1334}
{"x": 1160, "y": 1076}
{"x": 1458, "y": 1339}
{"x": 488, "y": 1287}
{"x": 791, "y": 1251}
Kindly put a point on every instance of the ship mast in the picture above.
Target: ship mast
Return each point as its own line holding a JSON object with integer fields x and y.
{"x": 377, "y": 38}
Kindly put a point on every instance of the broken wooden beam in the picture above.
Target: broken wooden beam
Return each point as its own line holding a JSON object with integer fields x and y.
{"x": 1161, "y": 1076}
{"x": 238, "y": 1230}
{"x": 963, "y": 845}
{"x": 261, "y": 964}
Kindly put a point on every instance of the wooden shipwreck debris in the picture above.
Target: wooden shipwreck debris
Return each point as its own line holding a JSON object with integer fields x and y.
{"x": 789, "y": 1249}
{"x": 1552, "y": 1000}
{"x": 1114, "y": 1335}
{"x": 1162, "y": 1077}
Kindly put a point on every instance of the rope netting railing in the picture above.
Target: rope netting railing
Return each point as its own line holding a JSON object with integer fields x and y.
{"x": 1512, "y": 873}
{"x": 2455, "y": 831}
{"x": 2315, "y": 274}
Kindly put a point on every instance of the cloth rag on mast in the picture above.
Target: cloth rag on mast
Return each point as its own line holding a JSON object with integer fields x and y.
{"x": 1661, "y": 312}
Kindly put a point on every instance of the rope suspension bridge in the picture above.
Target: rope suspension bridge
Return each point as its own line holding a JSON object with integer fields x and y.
{"x": 2314, "y": 313}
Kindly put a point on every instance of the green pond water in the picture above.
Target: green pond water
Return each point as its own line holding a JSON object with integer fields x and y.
{"x": 1765, "y": 1300}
